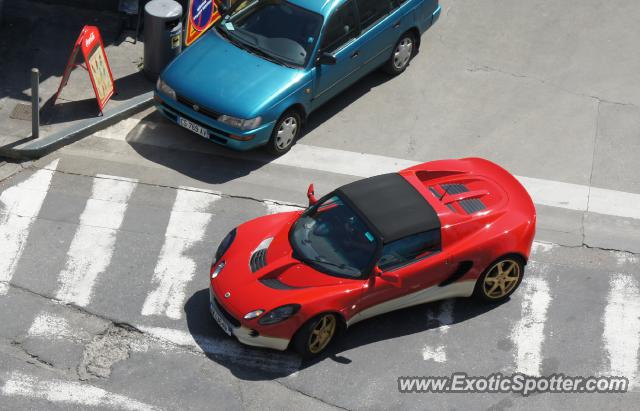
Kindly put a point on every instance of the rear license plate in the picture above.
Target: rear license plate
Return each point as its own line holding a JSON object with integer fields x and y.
{"x": 221, "y": 322}
{"x": 189, "y": 125}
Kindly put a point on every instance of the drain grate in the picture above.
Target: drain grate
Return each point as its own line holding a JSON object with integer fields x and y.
{"x": 22, "y": 111}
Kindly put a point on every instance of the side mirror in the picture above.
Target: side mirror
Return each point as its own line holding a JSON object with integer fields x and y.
{"x": 327, "y": 59}
{"x": 311, "y": 195}
{"x": 388, "y": 276}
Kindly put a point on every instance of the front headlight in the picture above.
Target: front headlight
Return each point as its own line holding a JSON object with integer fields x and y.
{"x": 240, "y": 123}
{"x": 225, "y": 244}
{"x": 164, "y": 88}
{"x": 279, "y": 314}
{"x": 253, "y": 314}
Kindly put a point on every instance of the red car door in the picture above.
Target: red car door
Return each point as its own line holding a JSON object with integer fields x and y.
{"x": 408, "y": 275}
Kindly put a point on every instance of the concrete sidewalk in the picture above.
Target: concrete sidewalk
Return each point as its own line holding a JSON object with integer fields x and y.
{"x": 40, "y": 35}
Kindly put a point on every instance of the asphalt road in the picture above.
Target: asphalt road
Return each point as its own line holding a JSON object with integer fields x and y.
{"x": 106, "y": 243}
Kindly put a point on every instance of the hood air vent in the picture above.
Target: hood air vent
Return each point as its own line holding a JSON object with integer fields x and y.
{"x": 277, "y": 284}
{"x": 258, "y": 260}
{"x": 454, "y": 188}
{"x": 471, "y": 205}
{"x": 259, "y": 257}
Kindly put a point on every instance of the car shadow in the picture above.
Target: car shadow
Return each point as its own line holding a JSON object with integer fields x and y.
{"x": 345, "y": 99}
{"x": 155, "y": 135}
{"x": 250, "y": 363}
{"x": 163, "y": 142}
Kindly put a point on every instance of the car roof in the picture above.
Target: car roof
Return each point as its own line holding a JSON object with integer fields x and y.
{"x": 323, "y": 7}
{"x": 391, "y": 205}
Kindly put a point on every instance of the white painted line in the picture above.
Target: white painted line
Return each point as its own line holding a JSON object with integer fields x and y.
{"x": 120, "y": 130}
{"x": 47, "y": 325}
{"x": 187, "y": 225}
{"x": 341, "y": 161}
{"x": 544, "y": 192}
{"x": 616, "y": 203}
{"x": 541, "y": 247}
{"x": 84, "y": 395}
{"x": 556, "y": 193}
{"x": 622, "y": 327}
{"x": 227, "y": 347}
{"x": 528, "y": 333}
{"x": 92, "y": 246}
{"x": 445, "y": 319}
{"x": 274, "y": 207}
{"x": 19, "y": 206}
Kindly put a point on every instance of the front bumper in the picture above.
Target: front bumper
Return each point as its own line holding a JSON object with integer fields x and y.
{"x": 436, "y": 15}
{"x": 243, "y": 334}
{"x": 218, "y": 132}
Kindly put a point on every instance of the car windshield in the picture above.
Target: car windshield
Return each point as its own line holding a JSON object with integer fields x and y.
{"x": 331, "y": 237}
{"x": 274, "y": 29}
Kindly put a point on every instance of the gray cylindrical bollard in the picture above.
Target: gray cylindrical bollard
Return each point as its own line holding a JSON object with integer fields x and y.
{"x": 35, "y": 103}
{"x": 162, "y": 35}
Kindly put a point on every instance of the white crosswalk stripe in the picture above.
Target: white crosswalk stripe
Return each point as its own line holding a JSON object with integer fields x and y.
{"x": 187, "y": 225}
{"x": 19, "y": 206}
{"x": 622, "y": 327}
{"x": 444, "y": 317}
{"x": 60, "y": 391}
{"x": 529, "y": 332}
{"x": 92, "y": 246}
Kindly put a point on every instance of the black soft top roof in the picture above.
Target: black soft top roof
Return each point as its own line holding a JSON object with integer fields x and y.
{"x": 391, "y": 205}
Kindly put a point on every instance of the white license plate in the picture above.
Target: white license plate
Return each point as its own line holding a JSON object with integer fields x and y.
{"x": 225, "y": 327}
{"x": 193, "y": 127}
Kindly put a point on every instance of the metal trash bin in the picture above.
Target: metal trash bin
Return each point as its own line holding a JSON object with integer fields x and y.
{"x": 162, "y": 35}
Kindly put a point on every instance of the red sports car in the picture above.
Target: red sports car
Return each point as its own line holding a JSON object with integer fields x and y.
{"x": 450, "y": 228}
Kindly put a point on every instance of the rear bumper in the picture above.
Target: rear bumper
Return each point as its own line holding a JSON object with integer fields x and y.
{"x": 218, "y": 132}
{"x": 246, "y": 335}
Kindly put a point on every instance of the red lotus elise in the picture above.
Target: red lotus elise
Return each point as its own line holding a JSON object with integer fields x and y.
{"x": 450, "y": 228}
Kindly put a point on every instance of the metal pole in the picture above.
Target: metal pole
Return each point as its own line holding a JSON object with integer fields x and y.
{"x": 35, "y": 103}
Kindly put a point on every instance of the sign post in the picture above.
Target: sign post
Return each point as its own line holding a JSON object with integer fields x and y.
{"x": 202, "y": 15}
{"x": 89, "y": 42}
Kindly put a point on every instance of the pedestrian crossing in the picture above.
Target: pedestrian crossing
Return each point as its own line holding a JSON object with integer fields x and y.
{"x": 187, "y": 225}
{"x": 140, "y": 254}
{"x": 92, "y": 246}
{"x": 20, "y": 206}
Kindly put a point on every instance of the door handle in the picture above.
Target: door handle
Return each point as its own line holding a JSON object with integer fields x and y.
{"x": 355, "y": 54}
{"x": 395, "y": 26}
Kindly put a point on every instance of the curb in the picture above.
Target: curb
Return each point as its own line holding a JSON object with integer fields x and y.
{"x": 42, "y": 146}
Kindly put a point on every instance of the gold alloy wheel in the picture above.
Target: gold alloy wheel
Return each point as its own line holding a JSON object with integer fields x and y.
{"x": 322, "y": 333}
{"x": 501, "y": 279}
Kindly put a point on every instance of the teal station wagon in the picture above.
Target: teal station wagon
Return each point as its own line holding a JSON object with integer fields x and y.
{"x": 254, "y": 78}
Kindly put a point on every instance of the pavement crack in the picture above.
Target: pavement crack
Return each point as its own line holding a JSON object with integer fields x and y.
{"x": 475, "y": 67}
{"x": 193, "y": 189}
{"x": 320, "y": 400}
{"x": 593, "y": 159}
{"x": 72, "y": 306}
{"x": 32, "y": 358}
{"x": 592, "y": 247}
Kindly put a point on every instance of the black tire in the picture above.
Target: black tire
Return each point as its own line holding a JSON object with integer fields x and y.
{"x": 282, "y": 137}
{"x": 402, "y": 53}
{"x": 490, "y": 291}
{"x": 305, "y": 339}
